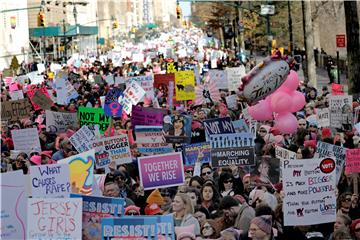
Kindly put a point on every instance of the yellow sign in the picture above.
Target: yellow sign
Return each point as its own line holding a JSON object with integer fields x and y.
{"x": 184, "y": 85}
{"x": 171, "y": 67}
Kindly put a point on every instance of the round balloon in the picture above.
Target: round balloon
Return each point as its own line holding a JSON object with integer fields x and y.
{"x": 281, "y": 102}
{"x": 261, "y": 111}
{"x": 298, "y": 101}
{"x": 286, "y": 123}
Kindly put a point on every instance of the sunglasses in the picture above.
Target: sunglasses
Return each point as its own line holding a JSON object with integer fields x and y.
{"x": 228, "y": 181}
{"x": 302, "y": 124}
{"x": 189, "y": 171}
{"x": 205, "y": 173}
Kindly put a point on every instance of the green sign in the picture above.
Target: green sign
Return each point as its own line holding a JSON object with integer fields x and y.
{"x": 93, "y": 116}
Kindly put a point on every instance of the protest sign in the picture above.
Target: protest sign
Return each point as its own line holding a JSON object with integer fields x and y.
{"x": 16, "y": 95}
{"x": 31, "y": 93}
{"x": 184, "y": 85}
{"x": 109, "y": 79}
{"x": 341, "y": 111}
{"x": 234, "y": 76}
{"x": 310, "y": 191}
{"x": 218, "y": 126}
{"x": 231, "y": 140}
{"x": 147, "y": 116}
{"x": 165, "y": 170}
{"x": 231, "y": 101}
{"x": 26, "y": 140}
{"x": 40, "y": 68}
{"x": 177, "y": 128}
{"x": 323, "y": 117}
{"x": 93, "y": 116}
{"x": 337, "y": 89}
{"x": 50, "y": 181}
{"x": 239, "y": 156}
{"x": 112, "y": 106}
{"x": 171, "y": 67}
{"x": 21, "y": 79}
{"x": 96, "y": 208}
{"x": 112, "y": 149}
{"x": 60, "y": 121}
{"x": 42, "y": 213}
{"x": 150, "y": 140}
{"x": 283, "y": 153}
{"x": 81, "y": 171}
{"x": 198, "y": 152}
{"x": 352, "y": 161}
{"x": 35, "y": 78}
{"x": 132, "y": 227}
{"x": 161, "y": 81}
{"x": 338, "y": 153}
{"x": 42, "y": 100}
{"x": 240, "y": 126}
{"x": 81, "y": 140}
{"x": 266, "y": 171}
{"x": 15, "y": 110}
{"x": 132, "y": 95}
{"x": 13, "y": 205}
{"x": 219, "y": 78}
{"x": 146, "y": 82}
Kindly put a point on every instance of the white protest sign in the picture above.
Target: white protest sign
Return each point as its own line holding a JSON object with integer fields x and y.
{"x": 41, "y": 68}
{"x": 50, "y": 181}
{"x": 54, "y": 67}
{"x": 61, "y": 92}
{"x": 59, "y": 121}
{"x": 323, "y": 117}
{"x": 132, "y": 95}
{"x": 26, "y": 140}
{"x": 231, "y": 101}
{"x": 35, "y": 78}
{"x": 54, "y": 218}
{"x": 284, "y": 154}
{"x": 234, "y": 76}
{"x": 16, "y": 95}
{"x": 81, "y": 140}
{"x": 309, "y": 188}
{"x": 340, "y": 110}
{"x": 109, "y": 79}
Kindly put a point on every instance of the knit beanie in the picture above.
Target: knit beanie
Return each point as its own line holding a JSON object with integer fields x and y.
{"x": 264, "y": 223}
{"x": 325, "y": 133}
{"x": 155, "y": 197}
{"x": 133, "y": 208}
{"x": 152, "y": 209}
{"x": 185, "y": 232}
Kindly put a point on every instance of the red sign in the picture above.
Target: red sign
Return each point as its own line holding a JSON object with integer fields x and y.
{"x": 340, "y": 41}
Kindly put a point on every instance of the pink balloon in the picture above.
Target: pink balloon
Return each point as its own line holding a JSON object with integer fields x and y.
{"x": 292, "y": 81}
{"x": 298, "y": 101}
{"x": 286, "y": 123}
{"x": 281, "y": 102}
{"x": 261, "y": 111}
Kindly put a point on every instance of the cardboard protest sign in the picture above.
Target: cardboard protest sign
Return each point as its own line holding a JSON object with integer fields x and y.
{"x": 352, "y": 161}
{"x": 310, "y": 191}
{"x": 147, "y": 116}
{"x": 218, "y": 126}
{"x": 150, "y": 140}
{"x": 26, "y": 140}
{"x": 16, "y": 95}
{"x": 338, "y": 153}
{"x": 240, "y": 156}
{"x": 50, "y": 181}
{"x": 341, "y": 111}
{"x": 234, "y": 76}
{"x": 81, "y": 171}
{"x": 177, "y": 128}
{"x": 165, "y": 170}
{"x": 184, "y": 85}
{"x": 132, "y": 227}
{"x": 283, "y": 153}
{"x": 43, "y": 211}
{"x": 13, "y": 205}
{"x": 219, "y": 77}
{"x": 96, "y": 208}
{"x": 198, "y": 152}
{"x": 112, "y": 106}
{"x": 171, "y": 67}
{"x": 59, "y": 121}
{"x": 93, "y": 116}
{"x": 31, "y": 93}
{"x": 132, "y": 95}
{"x": 81, "y": 140}
{"x": 42, "y": 100}
{"x": 112, "y": 149}
{"x": 15, "y": 110}
{"x": 323, "y": 117}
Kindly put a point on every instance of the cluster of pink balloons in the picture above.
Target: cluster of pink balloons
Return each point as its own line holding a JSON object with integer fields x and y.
{"x": 281, "y": 104}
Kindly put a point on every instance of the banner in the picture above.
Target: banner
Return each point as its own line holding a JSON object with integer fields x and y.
{"x": 234, "y": 76}
{"x": 132, "y": 227}
{"x": 112, "y": 149}
{"x": 341, "y": 111}
{"x": 338, "y": 153}
{"x": 218, "y": 126}
{"x": 26, "y": 140}
{"x": 323, "y": 117}
{"x": 57, "y": 122}
{"x": 232, "y": 140}
{"x": 150, "y": 140}
{"x": 50, "y": 181}
{"x": 15, "y": 110}
{"x": 31, "y": 94}
{"x": 147, "y": 116}
{"x": 239, "y": 156}
{"x": 54, "y": 218}
{"x": 284, "y": 154}
{"x": 352, "y": 161}
{"x": 177, "y": 128}
{"x": 93, "y": 116}
{"x": 112, "y": 106}
{"x": 81, "y": 171}
{"x": 14, "y": 195}
{"x": 132, "y": 95}
{"x": 165, "y": 170}
{"x": 81, "y": 140}
{"x": 310, "y": 191}
{"x": 96, "y": 208}
{"x": 16, "y": 95}
{"x": 184, "y": 85}
{"x": 198, "y": 152}
{"x": 219, "y": 78}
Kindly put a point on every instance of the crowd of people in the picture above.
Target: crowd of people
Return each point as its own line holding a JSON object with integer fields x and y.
{"x": 229, "y": 203}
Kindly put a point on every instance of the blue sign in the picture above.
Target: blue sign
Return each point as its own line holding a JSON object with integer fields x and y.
{"x": 198, "y": 152}
{"x": 112, "y": 107}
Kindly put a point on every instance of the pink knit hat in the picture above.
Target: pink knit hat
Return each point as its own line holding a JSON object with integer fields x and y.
{"x": 264, "y": 223}
{"x": 36, "y": 159}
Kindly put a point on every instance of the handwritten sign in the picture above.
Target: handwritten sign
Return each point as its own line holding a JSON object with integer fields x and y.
{"x": 42, "y": 100}
{"x": 112, "y": 106}
{"x": 310, "y": 191}
{"x": 340, "y": 110}
{"x": 50, "y": 181}
{"x": 234, "y": 76}
{"x": 198, "y": 152}
{"x": 184, "y": 85}
{"x": 147, "y": 116}
{"x": 132, "y": 95}
{"x": 13, "y": 205}
{"x": 323, "y": 117}
{"x": 112, "y": 149}
{"x": 283, "y": 153}
{"x": 165, "y": 170}
{"x": 150, "y": 140}
{"x": 81, "y": 140}
{"x": 31, "y": 94}
{"x": 352, "y": 161}
{"x": 43, "y": 212}
{"x": 218, "y": 126}
{"x": 59, "y": 121}
{"x": 93, "y": 116}
{"x": 146, "y": 82}
{"x": 26, "y": 139}
{"x": 15, "y": 110}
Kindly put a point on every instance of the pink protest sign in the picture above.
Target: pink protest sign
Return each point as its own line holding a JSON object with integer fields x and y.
{"x": 352, "y": 161}
{"x": 13, "y": 87}
{"x": 160, "y": 171}
{"x": 147, "y": 116}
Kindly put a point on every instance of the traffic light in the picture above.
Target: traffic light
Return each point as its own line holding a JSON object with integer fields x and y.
{"x": 178, "y": 12}
{"x": 115, "y": 24}
{"x": 41, "y": 19}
